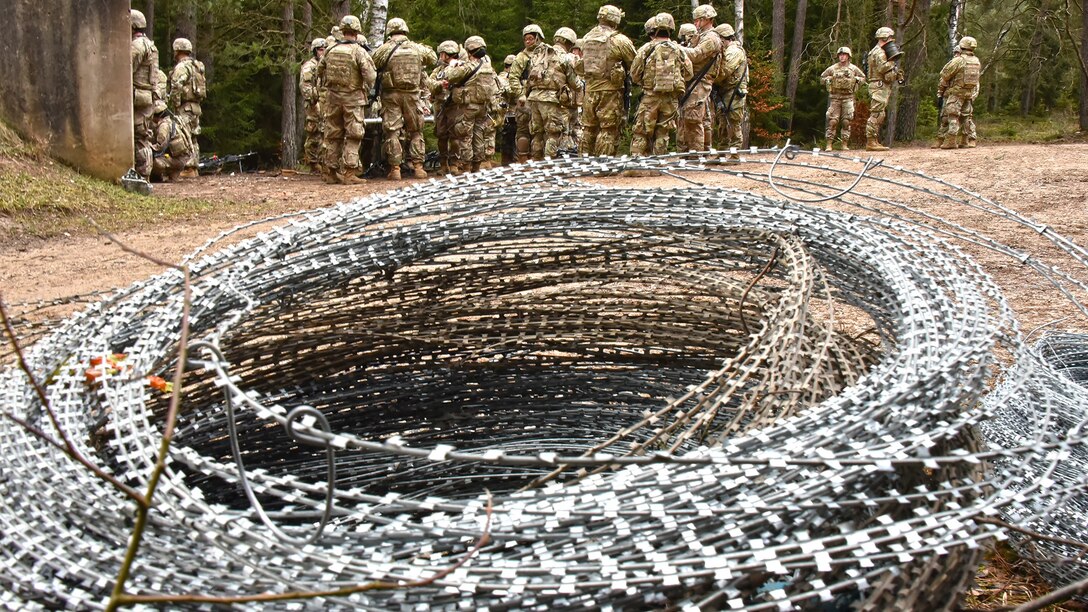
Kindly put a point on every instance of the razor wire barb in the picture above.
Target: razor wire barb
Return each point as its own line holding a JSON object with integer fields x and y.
{"x": 644, "y": 396}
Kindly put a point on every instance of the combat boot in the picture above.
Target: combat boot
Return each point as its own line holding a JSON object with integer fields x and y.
{"x": 456, "y": 169}
{"x": 949, "y": 145}
{"x": 937, "y": 144}
{"x": 972, "y": 143}
{"x": 872, "y": 144}
{"x": 189, "y": 173}
{"x": 828, "y": 145}
{"x": 485, "y": 165}
{"x": 418, "y": 171}
{"x": 845, "y": 144}
{"x": 328, "y": 176}
{"x": 349, "y": 178}
{"x": 394, "y": 173}
{"x": 475, "y": 166}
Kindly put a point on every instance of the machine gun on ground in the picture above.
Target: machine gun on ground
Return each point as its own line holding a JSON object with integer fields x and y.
{"x": 247, "y": 162}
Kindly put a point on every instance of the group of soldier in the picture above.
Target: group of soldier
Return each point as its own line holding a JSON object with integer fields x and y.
{"x": 166, "y": 111}
{"x": 569, "y": 96}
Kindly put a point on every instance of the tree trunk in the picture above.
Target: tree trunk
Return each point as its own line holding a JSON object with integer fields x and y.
{"x": 289, "y": 121}
{"x": 1083, "y": 63}
{"x": 738, "y": 12}
{"x": 694, "y": 4}
{"x": 795, "y": 55}
{"x": 308, "y": 20}
{"x": 914, "y": 58}
{"x": 778, "y": 42}
{"x": 954, "y": 16}
{"x": 149, "y": 14}
{"x": 379, "y": 12}
{"x": 186, "y": 24}
{"x": 340, "y": 9}
{"x": 893, "y": 101}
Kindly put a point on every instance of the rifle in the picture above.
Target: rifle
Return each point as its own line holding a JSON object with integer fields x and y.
{"x": 214, "y": 164}
{"x": 509, "y": 140}
{"x": 940, "y": 110}
{"x": 627, "y": 96}
{"x": 378, "y": 75}
{"x": 695, "y": 81}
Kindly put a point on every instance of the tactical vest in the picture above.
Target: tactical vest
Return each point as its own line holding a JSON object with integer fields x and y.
{"x": 341, "y": 68}
{"x": 972, "y": 70}
{"x": 145, "y": 73}
{"x": 596, "y": 50}
{"x": 711, "y": 74}
{"x": 877, "y": 59}
{"x": 544, "y": 69}
{"x": 663, "y": 75}
{"x": 481, "y": 87}
{"x": 842, "y": 81}
{"x": 403, "y": 68}
{"x": 196, "y": 87}
{"x": 732, "y": 68}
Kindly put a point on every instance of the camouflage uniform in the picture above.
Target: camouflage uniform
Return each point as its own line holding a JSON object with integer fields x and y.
{"x": 171, "y": 145}
{"x": 606, "y": 60}
{"x": 661, "y": 68}
{"x": 401, "y": 61}
{"x": 445, "y": 112}
{"x": 472, "y": 88}
{"x": 348, "y": 73}
{"x": 162, "y": 90}
{"x": 145, "y": 84}
{"x": 732, "y": 83}
{"x": 564, "y": 41}
{"x": 508, "y": 104}
{"x": 706, "y": 47}
{"x": 311, "y": 96}
{"x": 187, "y": 90}
{"x": 842, "y": 80}
{"x": 959, "y": 84}
{"x": 882, "y": 74}
{"x": 548, "y": 72}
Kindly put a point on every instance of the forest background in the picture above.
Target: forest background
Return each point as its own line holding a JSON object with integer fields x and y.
{"x": 1034, "y": 55}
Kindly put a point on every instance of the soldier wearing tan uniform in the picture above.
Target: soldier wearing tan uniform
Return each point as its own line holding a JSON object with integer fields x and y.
{"x": 565, "y": 40}
{"x": 883, "y": 73}
{"x": 401, "y": 62}
{"x": 171, "y": 145}
{"x": 842, "y": 80}
{"x": 541, "y": 73}
{"x": 311, "y": 96}
{"x": 348, "y": 73}
{"x": 145, "y": 83}
{"x": 509, "y": 106}
{"x": 606, "y": 61}
{"x": 704, "y": 53}
{"x": 188, "y": 88}
{"x": 662, "y": 69}
{"x": 471, "y": 85}
{"x": 732, "y": 85}
{"x": 959, "y": 85}
{"x": 446, "y": 114}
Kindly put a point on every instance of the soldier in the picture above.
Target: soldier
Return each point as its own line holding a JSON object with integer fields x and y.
{"x": 348, "y": 73}
{"x": 172, "y": 145}
{"x": 686, "y": 34}
{"x": 565, "y": 40}
{"x": 883, "y": 72}
{"x": 704, "y": 51}
{"x": 471, "y": 85}
{"x": 444, "y": 112}
{"x": 732, "y": 84}
{"x": 162, "y": 89}
{"x": 188, "y": 88}
{"x": 508, "y": 104}
{"x": 400, "y": 62}
{"x": 310, "y": 88}
{"x": 606, "y": 61}
{"x": 541, "y": 72}
{"x": 661, "y": 68}
{"x": 842, "y": 80}
{"x": 959, "y": 85}
{"x": 145, "y": 82}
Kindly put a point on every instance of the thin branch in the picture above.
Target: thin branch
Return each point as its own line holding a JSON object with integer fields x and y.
{"x": 378, "y": 585}
{"x": 1054, "y": 597}
{"x": 1033, "y": 534}
{"x": 67, "y": 446}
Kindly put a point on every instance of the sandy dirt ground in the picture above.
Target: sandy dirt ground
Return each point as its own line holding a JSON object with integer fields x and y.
{"x": 1046, "y": 182}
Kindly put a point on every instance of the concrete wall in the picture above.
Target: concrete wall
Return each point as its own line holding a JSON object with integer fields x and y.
{"x": 66, "y": 80}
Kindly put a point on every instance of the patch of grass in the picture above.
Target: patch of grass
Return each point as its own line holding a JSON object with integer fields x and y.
{"x": 1005, "y": 579}
{"x": 1054, "y": 127}
{"x": 42, "y": 198}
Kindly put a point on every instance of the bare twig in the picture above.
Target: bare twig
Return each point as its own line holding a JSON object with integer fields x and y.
{"x": 1033, "y": 534}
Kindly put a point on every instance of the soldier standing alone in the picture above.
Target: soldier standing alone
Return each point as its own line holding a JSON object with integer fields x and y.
{"x": 661, "y": 68}
{"x": 401, "y": 62}
{"x": 546, "y": 72}
{"x": 311, "y": 95}
{"x": 145, "y": 80}
{"x": 883, "y": 73}
{"x": 958, "y": 85}
{"x": 348, "y": 73}
{"x": 188, "y": 88}
{"x": 606, "y": 60}
{"x": 841, "y": 79}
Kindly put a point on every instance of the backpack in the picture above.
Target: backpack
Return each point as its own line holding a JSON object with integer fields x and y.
{"x": 404, "y": 67}
{"x": 198, "y": 85}
{"x": 595, "y": 52}
{"x": 665, "y": 68}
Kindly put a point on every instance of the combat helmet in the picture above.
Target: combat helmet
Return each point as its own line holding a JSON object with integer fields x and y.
{"x": 884, "y": 32}
{"x": 183, "y": 44}
{"x": 509, "y": 60}
{"x": 704, "y": 11}
{"x": 534, "y": 29}
{"x": 566, "y": 34}
{"x": 687, "y": 30}
{"x": 968, "y": 43}
{"x": 845, "y": 50}
{"x": 475, "y": 43}
{"x": 650, "y": 25}
{"x": 610, "y": 15}
{"x": 351, "y": 23}
{"x": 139, "y": 22}
{"x": 318, "y": 43}
{"x": 449, "y": 47}
{"x": 725, "y": 30}
{"x": 664, "y": 21}
{"x": 397, "y": 26}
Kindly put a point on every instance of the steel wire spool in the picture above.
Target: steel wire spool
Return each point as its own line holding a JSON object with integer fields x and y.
{"x": 672, "y": 396}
